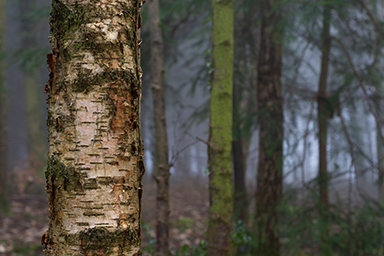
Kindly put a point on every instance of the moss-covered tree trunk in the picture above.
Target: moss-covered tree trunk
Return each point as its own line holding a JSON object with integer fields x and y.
{"x": 270, "y": 120}
{"x": 322, "y": 118}
{"x": 95, "y": 164}
{"x": 220, "y": 135}
{"x": 162, "y": 164}
{"x": 4, "y": 202}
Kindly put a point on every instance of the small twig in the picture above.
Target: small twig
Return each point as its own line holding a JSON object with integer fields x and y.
{"x": 359, "y": 80}
{"x": 200, "y": 139}
{"x": 371, "y": 16}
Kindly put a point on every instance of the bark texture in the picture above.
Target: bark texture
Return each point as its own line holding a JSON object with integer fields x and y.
{"x": 162, "y": 164}
{"x": 270, "y": 119}
{"x": 4, "y": 202}
{"x": 323, "y": 114}
{"x": 95, "y": 160}
{"x": 220, "y": 136}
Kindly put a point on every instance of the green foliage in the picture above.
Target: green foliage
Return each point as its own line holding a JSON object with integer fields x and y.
{"x": 184, "y": 223}
{"x": 149, "y": 246}
{"x": 359, "y": 231}
{"x": 186, "y": 250}
{"x": 28, "y": 250}
{"x": 240, "y": 236}
{"x": 29, "y": 58}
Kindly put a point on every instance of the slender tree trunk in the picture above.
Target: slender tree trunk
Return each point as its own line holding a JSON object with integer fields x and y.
{"x": 240, "y": 207}
{"x": 378, "y": 105}
{"x": 270, "y": 118}
{"x": 379, "y": 143}
{"x": 220, "y": 131}
{"x": 95, "y": 164}
{"x": 4, "y": 202}
{"x": 240, "y": 203}
{"x": 162, "y": 164}
{"x": 34, "y": 113}
{"x": 323, "y": 115}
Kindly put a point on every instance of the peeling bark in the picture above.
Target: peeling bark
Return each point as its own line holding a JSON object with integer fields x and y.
{"x": 220, "y": 132}
{"x": 162, "y": 164}
{"x": 95, "y": 164}
{"x": 270, "y": 119}
{"x": 4, "y": 202}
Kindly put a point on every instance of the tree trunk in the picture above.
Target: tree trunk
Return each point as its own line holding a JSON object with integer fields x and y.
{"x": 239, "y": 143}
{"x": 220, "y": 132}
{"x": 95, "y": 164}
{"x": 378, "y": 98}
{"x": 33, "y": 108}
{"x": 270, "y": 118}
{"x": 323, "y": 115}
{"x": 379, "y": 142}
{"x": 4, "y": 202}
{"x": 240, "y": 207}
{"x": 162, "y": 164}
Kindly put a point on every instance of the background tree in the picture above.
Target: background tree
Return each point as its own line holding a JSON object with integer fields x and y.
{"x": 323, "y": 116}
{"x": 95, "y": 164}
{"x": 33, "y": 105}
{"x": 220, "y": 137}
{"x": 270, "y": 121}
{"x": 4, "y": 202}
{"x": 243, "y": 101}
{"x": 162, "y": 166}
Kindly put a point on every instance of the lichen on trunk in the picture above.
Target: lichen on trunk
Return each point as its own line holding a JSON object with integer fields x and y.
{"x": 95, "y": 164}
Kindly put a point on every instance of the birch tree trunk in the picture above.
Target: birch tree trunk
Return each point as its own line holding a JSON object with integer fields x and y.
{"x": 4, "y": 202}
{"x": 95, "y": 164}
{"x": 220, "y": 132}
{"x": 323, "y": 115}
{"x": 162, "y": 164}
{"x": 270, "y": 118}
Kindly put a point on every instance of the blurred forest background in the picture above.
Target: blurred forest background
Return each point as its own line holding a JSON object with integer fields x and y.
{"x": 354, "y": 144}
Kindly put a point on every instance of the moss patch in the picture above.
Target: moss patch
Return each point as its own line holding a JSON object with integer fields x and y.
{"x": 59, "y": 173}
{"x": 63, "y": 19}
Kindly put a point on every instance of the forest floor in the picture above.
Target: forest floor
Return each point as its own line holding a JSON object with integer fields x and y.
{"x": 20, "y": 233}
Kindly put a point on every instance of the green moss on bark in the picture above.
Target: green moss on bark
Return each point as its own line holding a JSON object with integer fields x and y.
{"x": 61, "y": 174}
{"x": 220, "y": 158}
{"x": 63, "y": 19}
